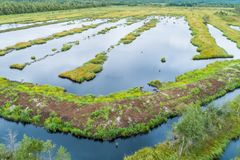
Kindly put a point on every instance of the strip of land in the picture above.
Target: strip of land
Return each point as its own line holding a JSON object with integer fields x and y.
{"x": 23, "y": 45}
{"x": 64, "y": 48}
{"x": 133, "y": 35}
{"x": 196, "y": 17}
{"x": 118, "y": 115}
{"x": 206, "y": 44}
{"x": 229, "y": 32}
{"x": 219, "y": 127}
{"x": 89, "y": 69}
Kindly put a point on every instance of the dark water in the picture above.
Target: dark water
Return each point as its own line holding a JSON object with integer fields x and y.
{"x": 128, "y": 66}
{"x": 84, "y": 149}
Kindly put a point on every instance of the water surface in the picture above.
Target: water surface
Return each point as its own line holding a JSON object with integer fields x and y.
{"x": 19, "y": 25}
{"x": 11, "y": 38}
{"x": 82, "y": 149}
{"x": 235, "y": 27}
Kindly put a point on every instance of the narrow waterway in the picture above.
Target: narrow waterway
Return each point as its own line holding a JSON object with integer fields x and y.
{"x": 128, "y": 66}
{"x": 82, "y": 149}
{"x": 11, "y": 38}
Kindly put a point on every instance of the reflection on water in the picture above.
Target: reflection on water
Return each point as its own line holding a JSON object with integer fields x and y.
{"x": 128, "y": 66}
{"x": 84, "y": 149}
{"x": 11, "y": 38}
{"x": 235, "y": 27}
{"x": 232, "y": 150}
{"x": 19, "y": 25}
{"x": 225, "y": 43}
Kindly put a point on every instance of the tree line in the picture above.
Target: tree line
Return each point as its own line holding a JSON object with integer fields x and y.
{"x": 31, "y": 6}
{"x": 24, "y": 6}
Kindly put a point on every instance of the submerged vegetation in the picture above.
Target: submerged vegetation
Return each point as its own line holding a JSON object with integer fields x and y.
{"x": 200, "y": 134}
{"x": 88, "y": 71}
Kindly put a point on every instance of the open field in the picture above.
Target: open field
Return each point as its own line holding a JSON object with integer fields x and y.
{"x": 115, "y": 72}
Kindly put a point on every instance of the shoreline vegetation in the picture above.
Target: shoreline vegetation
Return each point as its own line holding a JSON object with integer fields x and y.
{"x": 26, "y": 6}
{"x": 205, "y": 43}
{"x": 30, "y": 149}
{"x": 133, "y": 35}
{"x": 33, "y": 25}
{"x": 121, "y": 114}
{"x": 23, "y": 45}
{"x": 89, "y": 69}
{"x": 197, "y": 19}
{"x": 65, "y": 47}
{"x": 199, "y": 134}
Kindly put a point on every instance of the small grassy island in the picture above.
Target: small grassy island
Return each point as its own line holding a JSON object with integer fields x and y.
{"x": 181, "y": 87}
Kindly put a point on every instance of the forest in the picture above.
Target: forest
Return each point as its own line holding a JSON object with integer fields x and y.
{"x": 32, "y": 6}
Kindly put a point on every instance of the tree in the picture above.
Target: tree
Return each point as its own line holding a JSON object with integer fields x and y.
{"x": 190, "y": 129}
{"x": 62, "y": 154}
{"x": 30, "y": 149}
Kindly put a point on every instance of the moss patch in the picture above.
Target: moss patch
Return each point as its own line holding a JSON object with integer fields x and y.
{"x": 88, "y": 71}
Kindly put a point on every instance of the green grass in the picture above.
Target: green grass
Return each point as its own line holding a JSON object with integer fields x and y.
{"x": 88, "y": 71}
{"x": 196, "y": 17}
{"x": 101, "y": 123}
{"x": 211, "y": 144}
{"x": 133, "y": 35}
{"x": 206, "y": 44}
{"x": 30, "y": 148}
{"x": 230, "y": 33}
{"x": 104, "y": 31}
{"x": 155, "y": 83}
{"x": 18, "y": 66}
{"x": 38, "y": 41}
{"x": 66, "y": 47}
